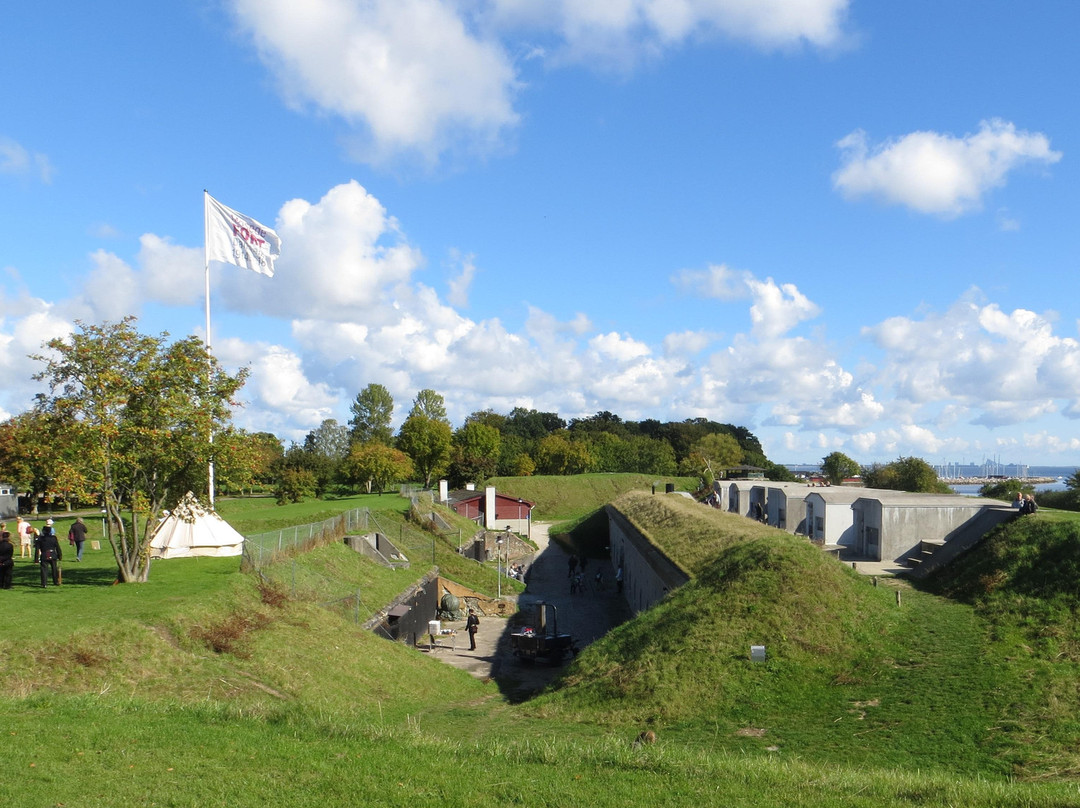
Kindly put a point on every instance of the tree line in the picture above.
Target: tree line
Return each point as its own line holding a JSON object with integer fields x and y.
{"x": 367, "y": 454}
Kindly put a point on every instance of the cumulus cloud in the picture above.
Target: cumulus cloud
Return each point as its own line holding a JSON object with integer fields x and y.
{"x": 428, "y": 76}
{"x": 621, "y": 33}
{"x": 338, "y": 255}
{"x": 938, "y": 173}
{"x": 17, "y": 160}
{"x": 1006, "y": 367}
{"x": 414, "y": 73}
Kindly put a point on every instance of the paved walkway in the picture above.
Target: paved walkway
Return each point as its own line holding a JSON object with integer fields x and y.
{"x": 586, "y": 617}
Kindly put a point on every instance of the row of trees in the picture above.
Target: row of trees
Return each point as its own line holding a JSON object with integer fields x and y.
{"x": 367, "y": 454}
{"x": 903, "y": 474}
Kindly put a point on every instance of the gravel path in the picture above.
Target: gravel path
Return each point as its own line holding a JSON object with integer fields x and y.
{"x": 586, "y": 617}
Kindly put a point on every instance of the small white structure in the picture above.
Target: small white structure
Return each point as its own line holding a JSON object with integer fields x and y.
{"x": 192, "y": 530}
{"x": 785, "y": 506}
{"x": 829, "y": 517}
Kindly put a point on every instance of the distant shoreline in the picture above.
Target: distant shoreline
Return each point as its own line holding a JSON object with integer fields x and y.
{"x": 988, "y": 480}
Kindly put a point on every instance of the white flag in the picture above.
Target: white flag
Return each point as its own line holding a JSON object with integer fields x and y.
{"x": 234, "y": 238}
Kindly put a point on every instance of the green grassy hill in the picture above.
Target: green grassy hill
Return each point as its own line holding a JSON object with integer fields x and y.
{"x": 205, "y": 687}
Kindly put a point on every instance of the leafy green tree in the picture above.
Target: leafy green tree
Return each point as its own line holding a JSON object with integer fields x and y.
{"x": 475, "y": 453}
{"x": 427, "y": 441}
{"x": 329, "y": 439}
{"x": 652, "y": 456}
{"x": 837, "y": 466}
{"x": 608, "y": 452}
{"x": 712, "y": 455}
{"x": 243, "y": 459}
{"x": 146, "y": 411}
{"x": 376, "y": 465}
{"x": 295, "y": 485}
{"x": 429, "y": 404}
{"x": 372, "y": 412}
{"x": 532, "y": 425}
{"x": 1006, "y": 489}
{"x": 318, "y": 465}
{"x": 557, "y": 454}
{"x": 905, "y": 474}
{"x": 41, "y": 456}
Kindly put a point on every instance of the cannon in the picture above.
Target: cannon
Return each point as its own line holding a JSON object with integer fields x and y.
{"x": 542, "y": 641}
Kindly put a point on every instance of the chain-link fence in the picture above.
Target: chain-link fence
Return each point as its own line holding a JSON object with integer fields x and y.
{"x": 304, "y": 583}
{"x": 263, "y": 548}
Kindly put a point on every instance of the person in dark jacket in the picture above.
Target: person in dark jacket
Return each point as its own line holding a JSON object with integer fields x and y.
{"x": 48, "y": 553}
{"x": 7, "y": 558}
{"x": 77, "y": 535}
{"x": 471, "y": 625}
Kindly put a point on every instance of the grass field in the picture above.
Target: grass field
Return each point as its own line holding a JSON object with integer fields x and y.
{"x": 207, "y": 687}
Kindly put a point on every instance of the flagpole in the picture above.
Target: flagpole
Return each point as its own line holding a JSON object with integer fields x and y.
{"x": 206, "y": 257}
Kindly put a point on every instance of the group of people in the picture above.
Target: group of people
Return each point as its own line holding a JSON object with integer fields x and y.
{"x": 42, "y": 546}
{"x": 1025, "y": 504}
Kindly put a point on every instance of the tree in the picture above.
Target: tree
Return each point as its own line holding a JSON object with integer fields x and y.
{"x": 711, "y": 455}
{"x": 243, "y": 459}
{"x": 905, "y": 474}
{"x": 372, "y": 412}
{"x": 837, "y": 467}
{"x": 329, "y": 439}
{"x": 41, "y": 455}
{"x": 430, "y": 404}
{"x": 375, "y": 464}
{"x": 146, "y": 411}
{"x": 427, "y": 441}
{"x": 475, "y": 453}
{"x": 556, "y": 454}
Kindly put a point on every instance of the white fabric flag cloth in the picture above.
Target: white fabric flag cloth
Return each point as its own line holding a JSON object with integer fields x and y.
{"x": 234, "y": 238}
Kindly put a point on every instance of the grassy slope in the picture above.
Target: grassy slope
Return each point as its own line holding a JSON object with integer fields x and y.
{"x": 306, "y": 710}
{"x": 564, "y": 499}
{"x": 850, "y": 676}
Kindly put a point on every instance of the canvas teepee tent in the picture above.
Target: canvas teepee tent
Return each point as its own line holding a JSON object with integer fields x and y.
{"x": 192, "y": 530}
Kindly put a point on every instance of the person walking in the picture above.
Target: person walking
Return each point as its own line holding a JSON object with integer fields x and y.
{"x": 7, "y": 557}
{"x": 25, "y": 532}
{"x": 77, "y": 535}
{"x": 472, "y": 625}
{"x": 48, "y": 554}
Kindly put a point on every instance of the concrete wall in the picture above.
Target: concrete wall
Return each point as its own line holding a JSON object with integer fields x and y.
{"x": 891, "y": 525}
{"x": 412, "y": 611}
{"x": 648, "y": 574}
{"x": 829, "y": 516}
{"x": 739, "y": 497}
{"x": 785, "y": 506}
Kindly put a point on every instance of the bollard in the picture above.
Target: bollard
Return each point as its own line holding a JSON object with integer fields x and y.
{"x": 897, "y": 597}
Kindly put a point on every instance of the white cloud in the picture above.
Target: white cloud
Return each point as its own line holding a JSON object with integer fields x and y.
{"x": 621, "y": 32}
{"x": 938, "y": 173}
{"x": 458, "y": 294}
{"x": 778, "y": 309}
{"x": 413, "y": 72}
{"x": 719, "y": 282}
{"x": 618, "y": 347}
{"x": 428, "y": 76}
{"x": 338, "y": 255}
{"x": 687, "y": 343}
{"x": 172, "y": 274}
{"x": 1006, "y": 367}
{"x": 17, "y": 160}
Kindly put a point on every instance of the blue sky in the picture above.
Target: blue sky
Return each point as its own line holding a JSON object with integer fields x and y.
{"x": 844, "y": 225}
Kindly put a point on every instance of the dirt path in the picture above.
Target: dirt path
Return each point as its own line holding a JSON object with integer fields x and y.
{"x": 586, "y": 617}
